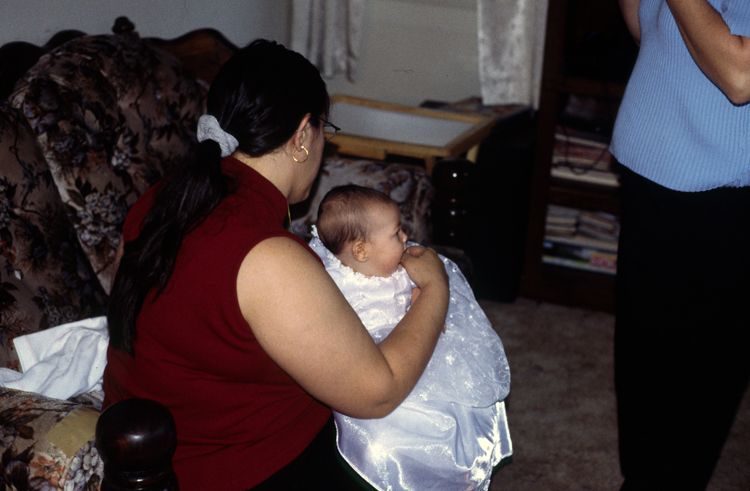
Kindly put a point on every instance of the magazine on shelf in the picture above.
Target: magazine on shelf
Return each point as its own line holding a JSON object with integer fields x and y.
{"x": 567, "y": 135}
{"x": 562, "y": 215}
{"x": 600, "y": 219}
{"x": 571, "y": 222}
{"x": 599, "y": 225}
{"x": 581, "y": 239}
{"x": 582, "y": 154}
{"x": 590, "y": 176}
{"x": 579, "y": 257}
{"x": 578, "y": 159}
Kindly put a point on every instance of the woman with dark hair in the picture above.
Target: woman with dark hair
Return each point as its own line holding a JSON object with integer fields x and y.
{"x": 231, "y": 321}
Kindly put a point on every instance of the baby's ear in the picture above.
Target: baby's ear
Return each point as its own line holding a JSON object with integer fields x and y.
{"x": 359, "y": 250}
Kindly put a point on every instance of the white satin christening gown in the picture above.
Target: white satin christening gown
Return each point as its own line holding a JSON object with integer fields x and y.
{"x": 452, "y": 429}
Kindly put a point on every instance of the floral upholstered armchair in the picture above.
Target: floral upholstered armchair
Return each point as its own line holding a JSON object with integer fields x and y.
{"x": 92, "y": 125}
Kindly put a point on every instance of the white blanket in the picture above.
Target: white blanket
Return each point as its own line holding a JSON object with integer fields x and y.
{"x": 452, "y": 430}
{"x": 61, "y": 362}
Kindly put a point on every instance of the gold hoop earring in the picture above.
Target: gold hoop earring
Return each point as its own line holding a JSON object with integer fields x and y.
{"x": 307, "y": 154}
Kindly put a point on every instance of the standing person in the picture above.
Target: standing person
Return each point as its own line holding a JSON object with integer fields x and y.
{"x": 682, "y": 332}
{"x": 451, "y": 431}
{"x": 232, "y": 322}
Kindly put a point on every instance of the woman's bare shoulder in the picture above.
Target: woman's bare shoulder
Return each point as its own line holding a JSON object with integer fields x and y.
{"x": 304, "y": 323}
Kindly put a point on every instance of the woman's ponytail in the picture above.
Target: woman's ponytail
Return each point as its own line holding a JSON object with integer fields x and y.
{"x": 184, "y": 201}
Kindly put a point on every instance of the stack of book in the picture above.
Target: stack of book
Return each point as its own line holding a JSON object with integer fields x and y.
{"x": 581, "y": 147}
{"x": 578, "y": 157}
{"x": 581, "y": 239}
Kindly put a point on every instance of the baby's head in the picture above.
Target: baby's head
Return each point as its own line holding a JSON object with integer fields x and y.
{"x": 362, "y": 228}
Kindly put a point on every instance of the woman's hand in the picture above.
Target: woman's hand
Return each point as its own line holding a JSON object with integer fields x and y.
{"x": 424, "y": 266}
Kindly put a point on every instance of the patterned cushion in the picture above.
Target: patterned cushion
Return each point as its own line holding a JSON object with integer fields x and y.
{"x": 112, "y": 114}
{"x": 47, "y": 444}
{"x": 408, "y": 185}
{"x": 45, "y": 278}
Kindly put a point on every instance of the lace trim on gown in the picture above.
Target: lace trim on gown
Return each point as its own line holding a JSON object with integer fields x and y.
{"x": 451, "y": 430}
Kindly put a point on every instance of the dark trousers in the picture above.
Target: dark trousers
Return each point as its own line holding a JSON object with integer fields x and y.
{"x": 682, "y": 335}
{"x": 318, "y": 468}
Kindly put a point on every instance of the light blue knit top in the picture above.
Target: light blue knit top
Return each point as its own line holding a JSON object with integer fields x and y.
{"x": 674, "y": 126}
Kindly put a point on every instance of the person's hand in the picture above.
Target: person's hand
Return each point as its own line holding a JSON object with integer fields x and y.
{"x": 424, "y": 267}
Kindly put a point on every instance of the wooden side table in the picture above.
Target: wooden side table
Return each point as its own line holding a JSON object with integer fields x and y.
{"x": 374, "y": 130}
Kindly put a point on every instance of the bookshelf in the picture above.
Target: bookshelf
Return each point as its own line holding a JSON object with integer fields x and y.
{"x": 588, "y": 58}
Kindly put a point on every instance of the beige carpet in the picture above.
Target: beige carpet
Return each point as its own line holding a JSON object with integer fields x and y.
{"x": 561, "y": 407}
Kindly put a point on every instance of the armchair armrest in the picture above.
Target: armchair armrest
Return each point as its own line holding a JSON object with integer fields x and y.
{"x": 48, "y": 443}
{"x": 57, "y": 444}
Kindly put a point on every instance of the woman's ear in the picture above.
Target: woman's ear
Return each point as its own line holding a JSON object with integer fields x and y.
{"x": 360, "y": 250}
{"x": 303, "y": 130}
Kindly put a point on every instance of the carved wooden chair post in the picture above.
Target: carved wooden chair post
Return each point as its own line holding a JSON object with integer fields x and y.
{"x": 136, "y": 439}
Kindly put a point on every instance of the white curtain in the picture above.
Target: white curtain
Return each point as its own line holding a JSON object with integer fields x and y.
{"x": 511, "y": 49}
{"x": 328, "y": 33}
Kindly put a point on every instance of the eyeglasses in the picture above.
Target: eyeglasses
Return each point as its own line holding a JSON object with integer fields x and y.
{"x": 333, "y": 127}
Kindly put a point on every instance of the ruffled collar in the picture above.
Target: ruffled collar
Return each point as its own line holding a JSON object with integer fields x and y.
{"x": 332, "y": 263}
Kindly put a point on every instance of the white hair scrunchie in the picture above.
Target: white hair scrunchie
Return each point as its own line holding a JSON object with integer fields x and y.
{"x": 209, "y": 129}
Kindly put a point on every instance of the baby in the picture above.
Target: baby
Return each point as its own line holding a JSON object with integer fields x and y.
{"x": 451, "y": 431}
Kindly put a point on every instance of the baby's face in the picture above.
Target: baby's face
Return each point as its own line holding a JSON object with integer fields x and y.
{"x": 387, "y": 242}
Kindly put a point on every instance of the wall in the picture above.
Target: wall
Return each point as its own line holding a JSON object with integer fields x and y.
{"x": 414, "y": 50}
{"x": 35, "y": 21}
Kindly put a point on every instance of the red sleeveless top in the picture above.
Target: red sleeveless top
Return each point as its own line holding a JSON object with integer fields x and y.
{"x": 239, "y": 417}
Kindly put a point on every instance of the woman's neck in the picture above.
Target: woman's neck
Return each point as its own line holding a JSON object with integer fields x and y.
{"x": 271, "y": 167}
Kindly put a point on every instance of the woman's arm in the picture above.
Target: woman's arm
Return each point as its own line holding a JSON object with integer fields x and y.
{"x": 307, "y": 327}
{"x": 630, "y": 13}
{"x": 723, "y": 57}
